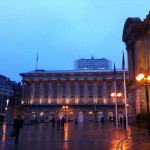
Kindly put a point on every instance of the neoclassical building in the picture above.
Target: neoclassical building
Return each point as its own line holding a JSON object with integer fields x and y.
{"x": 82, "y": 94}
{"x": 136, "y": 35}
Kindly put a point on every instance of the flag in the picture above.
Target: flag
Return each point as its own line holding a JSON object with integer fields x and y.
{"x": 123, "y": 62}
{"x": 37, "y": 57}
{"x": 36, "y": 61}
{"x": 114, "y": 72}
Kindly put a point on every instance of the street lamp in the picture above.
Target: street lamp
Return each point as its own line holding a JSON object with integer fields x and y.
{"x": 116, "y": 95}
{"x": 145, "y": 78}
{"x": 65, "y": 107}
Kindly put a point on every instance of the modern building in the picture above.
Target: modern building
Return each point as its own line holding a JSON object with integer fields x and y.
{"x": 136, "y": 35}
{"x": 82, "y": 94}
{"x": 6, "y": 91}
{"x": 92, "y": 64}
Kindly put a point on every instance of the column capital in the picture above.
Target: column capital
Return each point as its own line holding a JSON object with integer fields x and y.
{"x": 40, "y": 81}
{"x": 95, "y": 79}
{"x": 67, "y": 79}
{"x": 76, "y": 79}
{"x": 31, "y": 80}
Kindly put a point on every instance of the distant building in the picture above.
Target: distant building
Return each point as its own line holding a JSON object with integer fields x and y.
{"x": 81, "y": 94}
{"x": 92, "y": 64}
{"x": 6, "y": 91}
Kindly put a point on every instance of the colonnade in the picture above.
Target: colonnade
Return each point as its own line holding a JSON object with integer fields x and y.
{"x": 67, "y": 92}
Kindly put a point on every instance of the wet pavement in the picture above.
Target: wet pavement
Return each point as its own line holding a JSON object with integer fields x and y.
{"x": 83, "y": 136}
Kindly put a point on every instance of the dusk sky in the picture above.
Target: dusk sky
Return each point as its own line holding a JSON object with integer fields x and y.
{"x": 62, "y": 31}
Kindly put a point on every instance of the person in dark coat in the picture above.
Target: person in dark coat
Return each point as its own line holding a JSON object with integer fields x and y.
{"x": 124, "y": 121}
{"x": 18, "y": 124}
{"x": 53, "y": 122}
{"x": 121, "y": 121}
{"x": 62, "y": 123}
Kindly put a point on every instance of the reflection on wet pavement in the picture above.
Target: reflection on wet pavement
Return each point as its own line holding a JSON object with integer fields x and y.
{"x": 89, "y": 136}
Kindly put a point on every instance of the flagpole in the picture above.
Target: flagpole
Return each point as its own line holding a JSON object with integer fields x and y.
{"x": 115, "y": 96}
{"x": 116, "y": 105}
{"x": 125, "y": 94}
{"x": 125, "y": 98}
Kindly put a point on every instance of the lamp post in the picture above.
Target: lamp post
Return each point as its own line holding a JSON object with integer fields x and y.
{"x": 65, "y": 107}
{"x": 144, "y": 77}
{"x": 116, "y": 95}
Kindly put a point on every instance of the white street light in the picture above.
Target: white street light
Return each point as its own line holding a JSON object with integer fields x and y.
{"x": 116, "y": 95}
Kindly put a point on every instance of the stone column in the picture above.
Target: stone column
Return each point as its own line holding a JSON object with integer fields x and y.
{"x": 23, "y": 92}
{"x": 104, "y": 92}
{"x": 41, "y": 92}
{"x": 49, "y": 91}
{"x": 67, "y": 91}
{"x": 27, "y": 93}
{"x": 76, "y": 91}
{"x": 85, "y": 90}
{"x": 32, "y": 98}
{"x": 58, "y": 91}
{"x": 95, "y": 91}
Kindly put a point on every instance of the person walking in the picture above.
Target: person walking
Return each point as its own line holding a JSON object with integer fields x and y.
{"x": 62, "y": 123}
{"x": 53, "y": 122}
{"x": 18, "y": 124}
{"x": 121, "y": 121}
{"x": 76, "y": 121}
{"x": 124, "y": 121}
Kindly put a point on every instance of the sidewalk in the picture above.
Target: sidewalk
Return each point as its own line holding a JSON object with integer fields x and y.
{"x": 137, "y": 140}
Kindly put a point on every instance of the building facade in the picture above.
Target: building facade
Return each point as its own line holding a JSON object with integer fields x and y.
{"x": 92, "y": 64}
{"x": 136, "y": 35}
{"x": 6, "y": 91}
{"x": 82, "y": 94}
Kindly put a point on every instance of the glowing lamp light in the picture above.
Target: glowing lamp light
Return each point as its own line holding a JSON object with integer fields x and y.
{"x": 119, "y": 94}
{"x": 141, "y": 75}
{"x": 138, "y": 78}
{"x": 148, "y": 78}
{"x": 112, "y": 94}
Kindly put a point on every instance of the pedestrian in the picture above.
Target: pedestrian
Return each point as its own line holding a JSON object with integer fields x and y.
{"x": 76, "y": 121}
{"x": 53, "y": 122}
{"x": 124, "y": 121}
{"x": 18, "y": 124}
{"x": 110, "y": 118}
{"x": 62, "y": 123}
{"x": 121, "y": 121}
